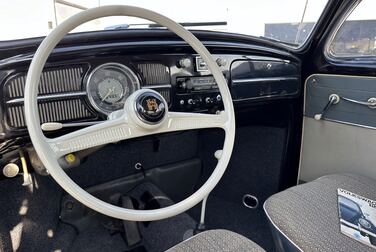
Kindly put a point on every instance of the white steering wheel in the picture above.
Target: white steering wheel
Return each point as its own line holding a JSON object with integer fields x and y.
{"x": 145, "y": 113}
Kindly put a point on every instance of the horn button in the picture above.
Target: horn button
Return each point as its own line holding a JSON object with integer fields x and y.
{"x": 150, "y": 107}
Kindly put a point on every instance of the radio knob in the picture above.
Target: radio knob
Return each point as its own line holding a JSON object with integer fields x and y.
{"x": 185, "y": 63}
{"x": 183, "y": 85}
{"x": 208, "y": 100}
{"x": 181, "y": 102}
{"x": 191, "y": 101}
{"x": 189, "y": 85}
{"x": 218, "y": 98}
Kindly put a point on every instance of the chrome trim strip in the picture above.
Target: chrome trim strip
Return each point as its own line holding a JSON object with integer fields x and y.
{"x": 263, "y": 58}
{"x": 370, "y": 102}
{"x": 156, "y": 86}
{"x": 278, "y": 229}
{"x": 346, "y": 123}
{"x": 49, "y": 97}
{"x": 327, "y": 53}
{"x": 253, "y": 80}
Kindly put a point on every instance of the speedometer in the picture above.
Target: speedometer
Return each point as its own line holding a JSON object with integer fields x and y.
{"x": 109, "y": 85}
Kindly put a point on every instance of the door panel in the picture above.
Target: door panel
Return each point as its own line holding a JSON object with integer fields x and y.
{"x": 345, "y": 138}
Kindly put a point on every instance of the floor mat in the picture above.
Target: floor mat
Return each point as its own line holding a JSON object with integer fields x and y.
{"x": 98, "y": 239}
{"x": 100, "y": 233}
{"x": 30, "y": 216}
{"x": 223, "y": 214}
{"x": 161, "y": 235}
{"x": 254, "y": 169}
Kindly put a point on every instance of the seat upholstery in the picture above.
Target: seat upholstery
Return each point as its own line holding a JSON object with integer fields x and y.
{"x": 216, "y": 241}
{"x": 306, "y": 217}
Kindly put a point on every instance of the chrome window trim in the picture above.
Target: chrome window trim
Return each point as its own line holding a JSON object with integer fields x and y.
{"x": 327, "y": 53}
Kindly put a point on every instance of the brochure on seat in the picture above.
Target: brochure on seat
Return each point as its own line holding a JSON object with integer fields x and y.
{"x": 357, "y": 216}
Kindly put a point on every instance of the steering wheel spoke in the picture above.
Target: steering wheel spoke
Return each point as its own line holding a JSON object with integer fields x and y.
{"x": 109, "y": 131}
{"x": 119, "y": 129}
{"x": 186, "y": 121}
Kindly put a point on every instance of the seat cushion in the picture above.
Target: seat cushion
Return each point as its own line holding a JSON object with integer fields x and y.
{"x": 307, "y": 215}
{"x": 217, "y": 240}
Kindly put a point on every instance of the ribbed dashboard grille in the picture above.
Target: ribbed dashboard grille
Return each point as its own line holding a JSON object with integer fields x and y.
{"x": 165, "y": 93}
{"x": 65, "y": 81}
{"x": 59, "y": 111}
{"x": 52, "y": 81}
{"x": 154, "y": 73}
{"x": 52, "y": 111}
{"x": 56, "y": 81}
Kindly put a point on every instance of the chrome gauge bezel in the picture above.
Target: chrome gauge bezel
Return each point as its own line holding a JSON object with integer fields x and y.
{"x": 126, "y": 71}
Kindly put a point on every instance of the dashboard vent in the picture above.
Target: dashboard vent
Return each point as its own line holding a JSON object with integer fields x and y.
{"x": 51, "y": 111}
{"x": 154, "y": 73}
{"x": 62, "y": 82}
{"x": 51, "y": 81}
{"x": 165, "y": 93}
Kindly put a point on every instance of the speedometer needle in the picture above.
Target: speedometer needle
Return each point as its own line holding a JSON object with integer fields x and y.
{"x": 111, "y": 90}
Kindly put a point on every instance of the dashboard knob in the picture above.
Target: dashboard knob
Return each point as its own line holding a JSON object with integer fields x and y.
{"x": 183, "y": 85}
{"x": 221, "y": 62}
{"x": 218, "y": 98}
{"x": 181, "y": 102}
{"x": 185, "y": 63}
{"x": 191, "y": 101}
{"x": 11, "y": 170}
{"x": 208, "y": 100}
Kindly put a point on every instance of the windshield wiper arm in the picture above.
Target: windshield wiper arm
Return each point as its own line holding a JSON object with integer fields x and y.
{"x": 153, "y": 25}
{"x": 192, "y": 24}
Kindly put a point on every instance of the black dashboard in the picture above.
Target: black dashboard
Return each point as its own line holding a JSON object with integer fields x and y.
{"x": 87, "y": 82}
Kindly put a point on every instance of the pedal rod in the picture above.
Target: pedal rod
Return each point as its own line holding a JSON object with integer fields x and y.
{"x": 26, "y": 174}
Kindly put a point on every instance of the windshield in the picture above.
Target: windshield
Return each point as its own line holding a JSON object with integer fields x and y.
{"x": 286, "y": 21}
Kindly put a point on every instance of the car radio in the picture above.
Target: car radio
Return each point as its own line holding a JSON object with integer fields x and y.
{"x": 198, "y": 93}
{"x": 196, "y": 84}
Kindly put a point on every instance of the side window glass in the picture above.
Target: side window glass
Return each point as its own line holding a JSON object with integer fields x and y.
{"x": 357, "y": 35}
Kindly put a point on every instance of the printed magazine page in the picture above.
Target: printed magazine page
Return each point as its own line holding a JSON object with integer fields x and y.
{"x": 357, "y": 216}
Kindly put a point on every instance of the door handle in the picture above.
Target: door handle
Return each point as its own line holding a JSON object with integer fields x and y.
{"x": 371, "y": 102}
{"x": 334, "y": 99}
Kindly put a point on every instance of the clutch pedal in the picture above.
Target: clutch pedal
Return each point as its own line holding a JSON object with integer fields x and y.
{"x": 132, "y": 233}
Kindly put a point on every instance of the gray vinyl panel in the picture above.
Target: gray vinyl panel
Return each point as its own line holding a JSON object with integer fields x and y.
{"x": 320, "y": 87}
{"x": 329, "y": 146}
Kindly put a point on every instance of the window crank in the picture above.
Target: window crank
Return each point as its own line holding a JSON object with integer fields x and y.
{"x": 333, "y": 99}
